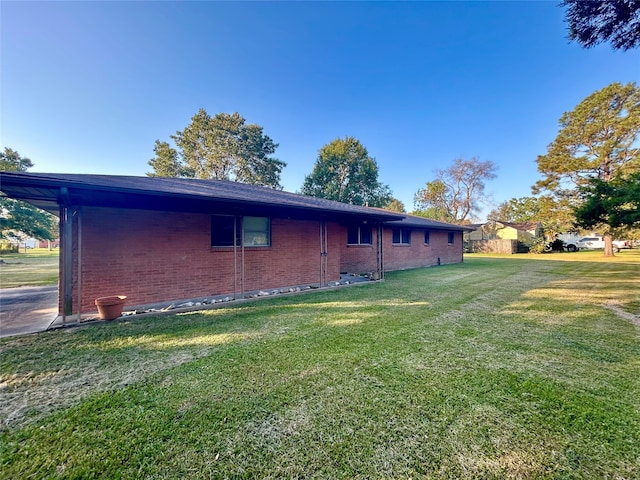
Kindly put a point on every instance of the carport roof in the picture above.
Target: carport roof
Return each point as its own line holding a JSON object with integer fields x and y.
{"x": 50, "y": 190}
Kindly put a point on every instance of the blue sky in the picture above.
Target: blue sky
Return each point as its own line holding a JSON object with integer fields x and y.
{"x": 87, "y": 87}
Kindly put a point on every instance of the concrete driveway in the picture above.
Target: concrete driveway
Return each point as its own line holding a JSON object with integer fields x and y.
{"x": 27, "y": 309}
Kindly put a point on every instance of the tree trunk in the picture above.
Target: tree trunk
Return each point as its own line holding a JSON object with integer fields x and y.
{"x": 608, "y": 246}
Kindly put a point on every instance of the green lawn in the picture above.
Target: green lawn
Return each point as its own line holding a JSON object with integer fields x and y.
{"x": 36, "y": 267}
{"x": 502, "y": 367}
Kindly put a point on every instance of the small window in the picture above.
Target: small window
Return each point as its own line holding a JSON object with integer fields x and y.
{"x": 401, "y": 236}
{"x": 359, "y": 236}
{"x": 257, "y": 231}
{"x": 450, "y": 238}
{"x": 426, "y": 237}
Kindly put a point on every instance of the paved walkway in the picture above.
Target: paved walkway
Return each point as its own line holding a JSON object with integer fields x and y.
{"x": 27, "y": 309}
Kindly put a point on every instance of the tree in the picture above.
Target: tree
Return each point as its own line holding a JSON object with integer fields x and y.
{"x": 221, "y": 147}
{"x": 594, "y": 22}
{"x": 395, "y": 205}
{"x": 457, "y": 192}
{"x": 20, "y": 219}
{"x": 519, "y": 210}
{"x": 345, "y": 172}
{"x": 166, "y": 162}
{"x": 11, "y": 161}
{"x": 615, "y": 204}
{"x": 555, "y": 216}
{"x": 598, "y": 139}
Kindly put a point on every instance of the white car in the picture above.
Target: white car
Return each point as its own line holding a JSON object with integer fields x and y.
{"x": 596, "y": 243}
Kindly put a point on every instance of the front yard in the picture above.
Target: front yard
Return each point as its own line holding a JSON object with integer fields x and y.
{"x": 36, "y": 267}
{"x": 501, "y": 367}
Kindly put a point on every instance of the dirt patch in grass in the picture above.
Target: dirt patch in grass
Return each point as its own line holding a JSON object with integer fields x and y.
{"x": 617, "y": 309}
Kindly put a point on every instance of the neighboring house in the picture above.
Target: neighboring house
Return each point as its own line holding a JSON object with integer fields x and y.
{"x": 523, "y": 232}
{"x": 495, "y": 236}
{"x": 158, "y": 239}
{"x": 48, "y": 244}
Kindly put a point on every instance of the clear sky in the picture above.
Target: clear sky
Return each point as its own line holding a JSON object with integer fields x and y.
{"x": 87, "y": 87}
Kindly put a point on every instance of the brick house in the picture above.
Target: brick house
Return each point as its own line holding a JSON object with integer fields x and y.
{"x": 158, "y": 239}
{"x": 410, "y": 242}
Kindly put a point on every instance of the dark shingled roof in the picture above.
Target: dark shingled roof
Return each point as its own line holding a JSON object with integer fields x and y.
{"x": 413, "y": 221}
{"x": 45, "y": 190}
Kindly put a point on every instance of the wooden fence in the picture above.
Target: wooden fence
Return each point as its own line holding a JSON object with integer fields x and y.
{"x": 493, "y": 246}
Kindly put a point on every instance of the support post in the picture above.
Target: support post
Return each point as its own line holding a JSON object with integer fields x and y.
{"x": 242, "y": 255}
{"x": 380, "y": 265}
{"x": 79, "y": 263}
{"x": 323, "y": 253}
{"x": 66, "y": 282}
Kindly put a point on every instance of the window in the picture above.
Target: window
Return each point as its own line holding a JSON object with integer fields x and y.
{"x": 426, "y": 237}
{"x": 257, "y": 231}
{"x": 450, "y": 238}
{"x": 359, "y": 236}
{"x": 401, "y": 236}
{"x": 222, "y": 229}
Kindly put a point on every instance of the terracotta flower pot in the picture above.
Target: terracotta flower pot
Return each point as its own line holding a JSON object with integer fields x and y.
{"x": 110, "y": 308}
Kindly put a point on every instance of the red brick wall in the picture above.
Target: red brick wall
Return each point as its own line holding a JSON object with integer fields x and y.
{"x": 358, "y": 258}
{"x": 417, "y": 254}
{"x": 362, "y": 258}
{"x": 164, "y": 256}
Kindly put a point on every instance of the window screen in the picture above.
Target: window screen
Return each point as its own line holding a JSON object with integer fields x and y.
{"x": 257, "y": 231}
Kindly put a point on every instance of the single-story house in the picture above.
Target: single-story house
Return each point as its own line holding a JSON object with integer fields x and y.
{"x": 410, "y": 242}
{"x": 157, "y": 239}
{"x": 502, "y": 237}
{"x": 523, "y": 232}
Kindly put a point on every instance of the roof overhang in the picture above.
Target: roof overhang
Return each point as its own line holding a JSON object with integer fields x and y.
{"x": 412, "y": 221}
{"x": 50, "y": 191}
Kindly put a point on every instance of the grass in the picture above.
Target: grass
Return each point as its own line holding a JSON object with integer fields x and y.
{"x": 36, "y": 267}
{"x": 501, "y": 367}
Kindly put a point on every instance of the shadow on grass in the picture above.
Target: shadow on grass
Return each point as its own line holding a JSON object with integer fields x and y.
{"x": 482, "y": 297}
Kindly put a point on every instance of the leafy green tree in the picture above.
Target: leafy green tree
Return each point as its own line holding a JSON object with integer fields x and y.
{"x": 12, "y": 161}
{"x": 345, "y": 172}
{"x": 554, "y": 215}
{"x": 221, "y": 147}
{"x": 598, "y": 139}
{"x": 614, "y": 204}
{"x": 395, "y": 205}
{"x": 166, "y": 163}
{"x": 19, "y": 219}
{"x": 594, "y": 22}
{"x": 523, "y": 209}
{"x": 433, "y": 201}
{"x": 455, "y": 196}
